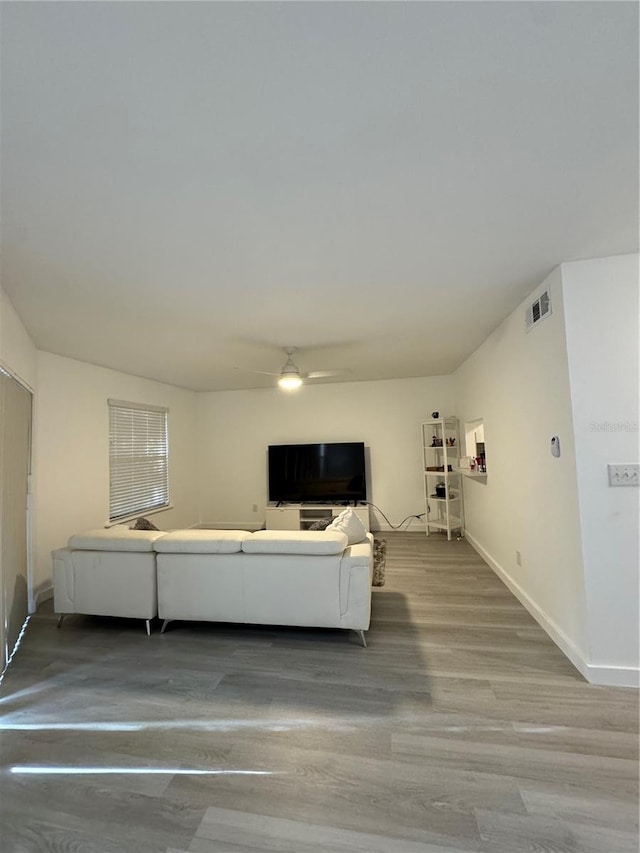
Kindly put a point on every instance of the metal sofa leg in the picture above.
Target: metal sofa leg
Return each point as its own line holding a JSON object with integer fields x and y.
{"x": 164, "y": 625}
{"x": 362, "y": 638}
{"x": 147, "y": 622}
{"x": 62, "y": 615}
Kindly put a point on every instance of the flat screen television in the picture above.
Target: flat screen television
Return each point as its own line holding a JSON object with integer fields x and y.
{"x": 323, "y": 473}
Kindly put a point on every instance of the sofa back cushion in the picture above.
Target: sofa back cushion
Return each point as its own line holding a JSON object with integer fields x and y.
{"x": 321, "y": 543}
{"x": 199, "y": 541}
{"x": 116, "y": 538}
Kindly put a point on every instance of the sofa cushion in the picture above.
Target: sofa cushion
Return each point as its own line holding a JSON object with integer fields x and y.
{"x": 349, "y": 523}
{"x": 295, "y": 542}
{"x": 202, "y": 542}
{"x": 116, "y": 538}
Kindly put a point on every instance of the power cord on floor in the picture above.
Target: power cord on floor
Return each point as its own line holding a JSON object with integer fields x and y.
{"x": 408, "y": 518}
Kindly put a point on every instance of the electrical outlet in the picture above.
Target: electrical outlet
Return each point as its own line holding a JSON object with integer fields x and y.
{"x": 255, "y": 507}
{"x": 518, "y": 558}
{"x": 624, "y": 475}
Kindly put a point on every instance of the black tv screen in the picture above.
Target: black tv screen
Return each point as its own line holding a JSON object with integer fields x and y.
{"x": 325, "y": 473}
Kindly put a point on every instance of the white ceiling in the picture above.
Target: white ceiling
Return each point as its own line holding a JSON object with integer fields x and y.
{"x": 190, "y": 187}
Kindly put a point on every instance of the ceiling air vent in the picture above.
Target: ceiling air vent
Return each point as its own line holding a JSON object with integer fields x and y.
{"x": 538, "y": 310}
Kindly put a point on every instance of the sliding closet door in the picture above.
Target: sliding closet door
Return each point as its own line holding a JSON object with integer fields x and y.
{"x": 15, "y": 441}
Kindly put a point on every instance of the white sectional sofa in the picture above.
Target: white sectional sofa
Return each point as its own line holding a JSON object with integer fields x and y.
{"x": 271, "y": 577}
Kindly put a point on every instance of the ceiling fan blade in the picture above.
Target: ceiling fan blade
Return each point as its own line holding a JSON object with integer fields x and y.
{"x": 321, "y": 374}
{"x": 250, "y": 370}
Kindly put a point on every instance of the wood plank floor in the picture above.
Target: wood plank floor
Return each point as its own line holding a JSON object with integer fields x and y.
{"x": 461, "y": 728}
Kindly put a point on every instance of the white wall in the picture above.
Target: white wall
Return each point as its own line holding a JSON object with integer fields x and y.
{"x": 71, "y": 451}
{"x": 601, "y": 311}
{"x": 235, "y": 428}
{"x": 518, "y": 382}
{"x": 17, "y": 351}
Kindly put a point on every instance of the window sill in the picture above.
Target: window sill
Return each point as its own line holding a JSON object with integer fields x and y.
{"x": 143, "y": 514}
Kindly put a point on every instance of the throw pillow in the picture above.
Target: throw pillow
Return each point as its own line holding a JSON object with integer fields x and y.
{"x": 379, "y": 561}
{"x": 349, "y": 523}
{"x": 321, "y": 523}
{"x": 144, "y": 524}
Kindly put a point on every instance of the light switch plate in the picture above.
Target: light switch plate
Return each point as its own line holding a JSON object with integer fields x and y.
{"x": 627, "y": 474}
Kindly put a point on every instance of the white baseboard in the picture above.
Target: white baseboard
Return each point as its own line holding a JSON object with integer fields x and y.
{"x": 414, "y": 526}
{"x": 609, "y": 676}
{"x": 613, "y": 676}
{"x": 41, "y": 595}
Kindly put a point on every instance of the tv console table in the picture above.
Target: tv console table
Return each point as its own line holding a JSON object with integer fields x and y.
{"x": 302, "y": 516}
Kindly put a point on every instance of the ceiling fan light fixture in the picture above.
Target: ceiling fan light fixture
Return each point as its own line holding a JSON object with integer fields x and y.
{"x": 290, "y": 381}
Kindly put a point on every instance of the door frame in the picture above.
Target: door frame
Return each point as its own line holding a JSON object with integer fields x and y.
{"x": 7, "y": 371}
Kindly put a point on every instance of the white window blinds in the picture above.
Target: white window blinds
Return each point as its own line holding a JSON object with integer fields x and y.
{"x": 138, "y": 459}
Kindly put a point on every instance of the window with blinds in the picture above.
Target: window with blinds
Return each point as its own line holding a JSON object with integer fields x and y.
{"x": 138, "y": 459}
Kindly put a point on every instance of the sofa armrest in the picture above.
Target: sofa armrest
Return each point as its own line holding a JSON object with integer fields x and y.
{"x": 356, "y": 574}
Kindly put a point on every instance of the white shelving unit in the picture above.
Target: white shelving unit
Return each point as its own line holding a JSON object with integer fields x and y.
{"x": 442, "y": 477}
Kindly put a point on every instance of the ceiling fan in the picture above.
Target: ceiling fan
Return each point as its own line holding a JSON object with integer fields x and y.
{"x": 291, "y": 377}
